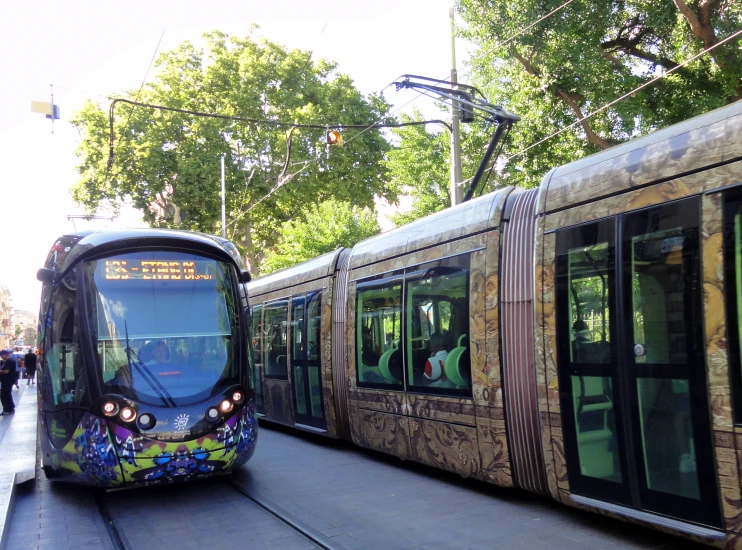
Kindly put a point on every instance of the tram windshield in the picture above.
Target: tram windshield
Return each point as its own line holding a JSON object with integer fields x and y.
{"x": 165, "y": 325}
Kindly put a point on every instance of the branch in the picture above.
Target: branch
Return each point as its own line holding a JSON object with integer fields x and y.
{"x": 630, "y": 46}
{"x": 527, "y": 64}
{"x": 700, "y": 26}
{"x": 592, "y": 137}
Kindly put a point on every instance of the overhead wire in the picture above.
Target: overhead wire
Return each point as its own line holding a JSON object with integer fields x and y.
{"x": 141, "y": 87}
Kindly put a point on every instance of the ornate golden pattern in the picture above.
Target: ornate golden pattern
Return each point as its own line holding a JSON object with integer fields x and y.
{"x": 445, "y": 446}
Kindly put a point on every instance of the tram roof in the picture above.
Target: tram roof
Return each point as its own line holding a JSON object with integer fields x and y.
{"x": 696, "y": 143}
{"x": 451, "y": 224}
{"x": 71, "y": 247}
{"x": 316, "y": 268}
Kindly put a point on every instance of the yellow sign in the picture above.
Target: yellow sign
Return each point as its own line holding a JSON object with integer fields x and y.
{"x": 43, "y": 107}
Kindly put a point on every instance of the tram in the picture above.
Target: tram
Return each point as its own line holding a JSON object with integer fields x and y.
{"x": 581, "y": 340}
{"x": 145, "y": 367}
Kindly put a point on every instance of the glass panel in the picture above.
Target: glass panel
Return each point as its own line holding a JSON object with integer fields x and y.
{"x": 438, "y": 358}
{"x": 667, "y": 436}
{"x": 658, "y": 288}
{"x": 257, "y": 344}
{"x": 597, "y": 443}
{"x": 275, "y": 318}
{"x": 166, "y": 324}
{"x": 314, "y": 326}
{"x": 589, "y": 306}
{"x": 297, "y": 351}
{"x": 378, "y": 330}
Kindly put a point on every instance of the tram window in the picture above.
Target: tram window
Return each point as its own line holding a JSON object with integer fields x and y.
{"x": 378, "y": 333}
{"x": 257, "y": 332}
{"x": 275, "y": 319}
{"x": 658, "y": 288}
{"x": 314, "y": 362}
{"x": 170, "y": 338}
{"x": 63, "y": 360}
{"x": 437, "y": 323}
{"x": 733, "y": 287}
{"x": 589, "y": 304}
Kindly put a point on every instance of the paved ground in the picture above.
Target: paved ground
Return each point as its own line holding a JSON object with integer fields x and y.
{"x": 364, "y": 499}
{"x": 356, "y": 499}
{"x": 5, "y": 420}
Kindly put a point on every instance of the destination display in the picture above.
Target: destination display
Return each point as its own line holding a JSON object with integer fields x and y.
{"x": 164, "y": 270}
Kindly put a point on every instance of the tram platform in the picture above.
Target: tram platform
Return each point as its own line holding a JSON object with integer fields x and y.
{"x": 17, "y": 451}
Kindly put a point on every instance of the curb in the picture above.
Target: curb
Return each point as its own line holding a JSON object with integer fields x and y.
{"x": 18, "y": 457}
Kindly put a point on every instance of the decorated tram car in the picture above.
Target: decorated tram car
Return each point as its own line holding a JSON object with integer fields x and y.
{"x": 145, "y": 371}
{"x": 581, "y": 340}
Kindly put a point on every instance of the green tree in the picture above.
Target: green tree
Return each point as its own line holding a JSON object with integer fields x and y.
{"x": 167, "y": 163}
{"x": 421, "y": 165}
{"x": 319, "y": 230}
{"x": 590, "y": 53}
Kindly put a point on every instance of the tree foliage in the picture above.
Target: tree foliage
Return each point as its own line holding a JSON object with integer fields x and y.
{"x": 593, "y": 52}
{"x": 421, "y": 165}
{"x": 167, "y": 163}
{"x": 319, "y": 230}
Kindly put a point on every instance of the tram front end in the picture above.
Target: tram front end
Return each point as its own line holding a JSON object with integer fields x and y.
{"x": 145, "y": 374}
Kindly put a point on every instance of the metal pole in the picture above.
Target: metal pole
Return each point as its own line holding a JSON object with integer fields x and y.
{"x": 224, "y": 205}
{"x": 455, "y": 189}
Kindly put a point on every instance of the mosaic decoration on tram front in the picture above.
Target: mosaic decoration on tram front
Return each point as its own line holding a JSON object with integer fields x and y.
{"x": 92, "y": 458}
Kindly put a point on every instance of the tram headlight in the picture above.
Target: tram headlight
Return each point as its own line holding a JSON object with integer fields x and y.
{"x": 225, "y": 406}
{"x": 146, "y": 421}
{"x": 238, "y": 397}
{"x": 110, "y": 408}
{"x": 212, "y": 414}
{"x": 128, "y": 414}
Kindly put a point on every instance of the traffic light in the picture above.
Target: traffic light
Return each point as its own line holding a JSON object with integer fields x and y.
{"x": 334, "y": 138}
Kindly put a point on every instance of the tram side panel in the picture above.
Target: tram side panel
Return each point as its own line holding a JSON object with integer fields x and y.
{"x": 637, "y": 354}
{"x": 296, "y": 355}
{"x": 458, "y": 426}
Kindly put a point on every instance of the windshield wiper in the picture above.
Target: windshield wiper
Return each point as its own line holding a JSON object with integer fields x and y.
{"x": 146, "y": 374}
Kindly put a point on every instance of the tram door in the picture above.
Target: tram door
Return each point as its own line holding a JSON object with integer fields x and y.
{"x": 305, "y": 360}
{"x": 632, "y": 371}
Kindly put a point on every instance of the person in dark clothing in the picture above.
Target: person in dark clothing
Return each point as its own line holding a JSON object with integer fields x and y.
{"x": 30, "y": 359}
{"x": 8, "y": 373}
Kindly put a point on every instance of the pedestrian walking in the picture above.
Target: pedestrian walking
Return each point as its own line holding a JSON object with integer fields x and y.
{"x": 8, "y": 372}
{"x": 30, "y": 361}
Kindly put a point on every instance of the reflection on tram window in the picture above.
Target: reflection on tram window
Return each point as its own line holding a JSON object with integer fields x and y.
{"x": 667, "y": 436}
{"x": 314, "y": 325}
{"x": 275, "y": 319}
{"x": 256, "y": 341}
{"x": 437, "y": 322}
{"x": 63, "y": 362}
{"x": 589, "y": 304}
{"x": 658, "y": 293}
{"x": 163, "y": 341}
{"x": 378, "y": 331}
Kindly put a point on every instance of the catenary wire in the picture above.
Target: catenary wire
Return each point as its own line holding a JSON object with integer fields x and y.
{"x": 144, "y": 80}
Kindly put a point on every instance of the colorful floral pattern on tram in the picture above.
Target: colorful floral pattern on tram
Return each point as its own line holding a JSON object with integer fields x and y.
{"x": 145, "y": 460}
{"x": 90, "y": 456}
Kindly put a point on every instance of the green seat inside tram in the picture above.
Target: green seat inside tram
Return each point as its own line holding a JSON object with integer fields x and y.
{"x": 452, "y": 366}
{"x": 385, "y": 368}
{"x": 593, "y": 408}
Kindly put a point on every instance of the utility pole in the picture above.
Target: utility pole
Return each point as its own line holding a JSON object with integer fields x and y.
{"x": 224, "y": 205}
{"x": 455, "y": 189}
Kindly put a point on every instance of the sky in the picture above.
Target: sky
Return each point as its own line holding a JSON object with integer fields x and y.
{"x": 91, "y": 49}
